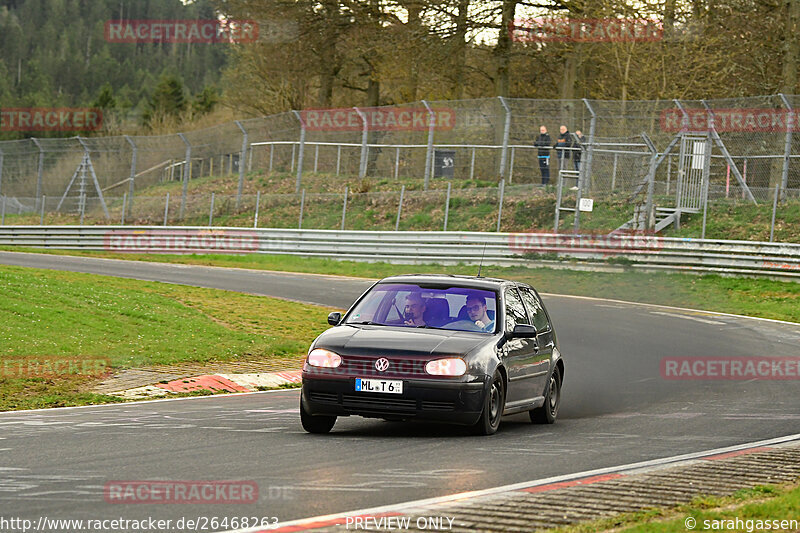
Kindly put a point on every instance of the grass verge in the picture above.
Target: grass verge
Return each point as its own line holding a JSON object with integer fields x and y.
{"x": 778, "y": 300}
{"x": 51, "y": 319}
{"x": 373, "y": 205}
{"x": 756, "y": 509}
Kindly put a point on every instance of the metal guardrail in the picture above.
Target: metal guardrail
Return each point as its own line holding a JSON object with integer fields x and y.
{"x": 594, "y": 252}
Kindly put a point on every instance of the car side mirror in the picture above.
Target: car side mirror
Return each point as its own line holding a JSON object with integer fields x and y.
{"x": 523, "y": 331}
{"x": 334, "y": 318}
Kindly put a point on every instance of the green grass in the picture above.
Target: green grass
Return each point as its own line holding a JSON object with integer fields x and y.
{"x": 47, "y": 315}
{"x": 759, "y": 503}
{"x": 754, "y": 297}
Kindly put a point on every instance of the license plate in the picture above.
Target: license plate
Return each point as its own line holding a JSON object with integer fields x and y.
{"x": 389, "y": 386}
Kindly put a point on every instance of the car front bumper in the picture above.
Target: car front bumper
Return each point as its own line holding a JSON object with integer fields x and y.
{"x": 422, "y": 399}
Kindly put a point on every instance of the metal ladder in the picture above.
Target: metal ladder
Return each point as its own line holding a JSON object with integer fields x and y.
{"x": 564, "y": 174}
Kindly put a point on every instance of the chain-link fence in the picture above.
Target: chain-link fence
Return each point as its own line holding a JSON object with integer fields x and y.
{"x": 632, "y": 157}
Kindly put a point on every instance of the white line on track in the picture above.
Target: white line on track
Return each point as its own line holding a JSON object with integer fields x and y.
{"x": 630, "y": 468}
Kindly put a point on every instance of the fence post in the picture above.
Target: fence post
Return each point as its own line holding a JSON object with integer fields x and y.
{"x": 41, "y": 218}
{"x": 41, "y": 168}
{"x": 3, "y": 214}
{"x": 396, "y": 163}
{"x": 399, "y": 208}
{"x": 511, "y": 165}
{"x": 506, "y": 133}
{"x": 614, "y": 172}
{"x": 338, "y": 158}
{"x": 706, "y": 180}
{"x": 649, "y": 209}
{"x": 501, "y": 191}
{"x": 787, "y": 146}
{"x": 302, "y": 150}
{"x": 344, "y": 207}
{"x": 585, "y": 176}
{"x": 429, "y": 151}
{"x": 447, "y": 206}
{"x": 472, "y": 165}
{"x": 362, "y": 164}
{"x": 316, "y": 157}
{"x": 124, "y": 206}
{"x": 302, "y": 205}
{"x": 133, "y": 172}
{"x": 250, "y": 159}
{"x": 187, "y": 158}
{"x": 166, "y": 209}
{"x": 1, "y": 172}
{"x": 242, "y": 157}
{"x": 271, "y": 153}
{"x": 774, "y": 208}
{"x": 83, "y": 205}
{"x": 211, "y": 211}
{"x": 258, "y": 204}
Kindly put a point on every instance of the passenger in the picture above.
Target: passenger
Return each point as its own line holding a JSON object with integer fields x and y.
{"x": 414, "y": 309}
{"x": 476, "y": 309}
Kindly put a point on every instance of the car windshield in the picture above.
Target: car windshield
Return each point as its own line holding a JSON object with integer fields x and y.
{"x": 427, "y": 306}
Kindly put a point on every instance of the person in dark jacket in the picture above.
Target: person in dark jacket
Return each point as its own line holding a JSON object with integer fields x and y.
{"x": 543, "y": 144}
{"x": 563, "y": 143}
{"x": 576, "y": 154}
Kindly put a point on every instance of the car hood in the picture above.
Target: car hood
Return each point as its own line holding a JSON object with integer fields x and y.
{"x": 388, "y": 341}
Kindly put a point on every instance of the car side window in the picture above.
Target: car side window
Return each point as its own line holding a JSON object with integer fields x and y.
{"x": 535, "y": 309}
{"x": 515, "y": 311}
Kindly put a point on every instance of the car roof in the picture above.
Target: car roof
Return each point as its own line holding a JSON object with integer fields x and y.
{"x": 465, "y": 281}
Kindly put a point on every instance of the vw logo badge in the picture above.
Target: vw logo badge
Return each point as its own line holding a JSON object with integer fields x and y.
{"x": 381, "y": 364}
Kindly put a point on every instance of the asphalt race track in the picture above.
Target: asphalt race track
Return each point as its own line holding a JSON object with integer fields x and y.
{"x": 616, "y": 409}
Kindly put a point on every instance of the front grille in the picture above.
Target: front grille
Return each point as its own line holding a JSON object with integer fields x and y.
{"x": 438, "y": 406}
{"x": 378, "y": 403}
{"x": 398, "y": 367}
{"x": 328, "y": 397}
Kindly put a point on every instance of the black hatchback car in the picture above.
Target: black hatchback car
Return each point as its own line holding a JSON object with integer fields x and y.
{"x": 454, "y": 349}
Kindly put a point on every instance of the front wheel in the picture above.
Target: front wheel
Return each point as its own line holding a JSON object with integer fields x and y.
{"x": 315, "y": 424}
{"x": 547, "y": 413}
{"x": 493, "y": 407}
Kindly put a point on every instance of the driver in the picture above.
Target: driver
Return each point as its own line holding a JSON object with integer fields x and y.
{"x": 476, "y": 309}
{"x": 414, "y": 309}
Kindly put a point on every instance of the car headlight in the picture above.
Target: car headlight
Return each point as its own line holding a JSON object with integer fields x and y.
{"x": 452, "y": 366}
{"x": 324, "y": 358}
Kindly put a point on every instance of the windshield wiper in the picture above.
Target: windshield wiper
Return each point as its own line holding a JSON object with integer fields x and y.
{"x": 367, "y": 323}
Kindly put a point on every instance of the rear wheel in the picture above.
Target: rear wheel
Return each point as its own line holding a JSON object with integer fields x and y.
{"x": 547, "y": 413}
{"x": 315, "y": 424}
{"x": 493, "y": 407}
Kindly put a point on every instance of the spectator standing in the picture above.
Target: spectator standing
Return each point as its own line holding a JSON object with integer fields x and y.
{"x": 543, "y": 144}
{"x": 576, "y": 154}
{"x": 563, "y": 145}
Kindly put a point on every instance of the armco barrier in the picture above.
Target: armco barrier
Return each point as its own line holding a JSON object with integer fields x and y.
{"x": 603, "y": 252}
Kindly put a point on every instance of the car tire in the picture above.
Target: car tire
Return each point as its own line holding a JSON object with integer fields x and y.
{"x": 547, "y": 413}
{"x": 315, "y": 424}
{"x": 493, "y": 407}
